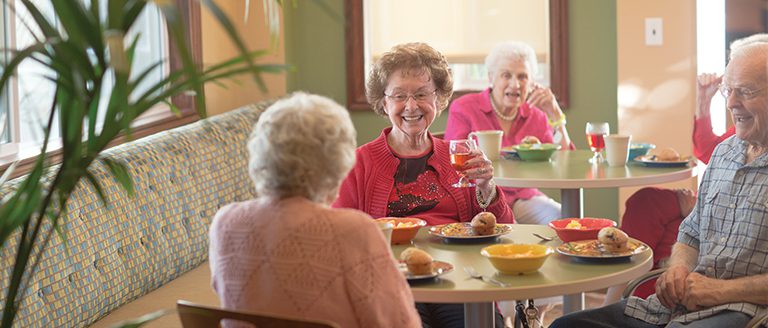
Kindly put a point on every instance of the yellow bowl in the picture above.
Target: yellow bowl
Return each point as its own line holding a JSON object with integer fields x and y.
{"x": 517, "y": 258}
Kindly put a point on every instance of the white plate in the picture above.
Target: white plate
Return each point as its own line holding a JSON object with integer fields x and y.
{"x": 438, "y": 268}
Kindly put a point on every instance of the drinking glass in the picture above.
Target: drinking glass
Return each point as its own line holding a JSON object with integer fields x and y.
{"x": 461, "y": 151}
{"x": 596, "y": 132}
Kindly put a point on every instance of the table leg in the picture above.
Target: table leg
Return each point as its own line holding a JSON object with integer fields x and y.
{"x": 573, "y": 303}
{"x": 572, "y": 208}
{"x": 479, "y": 315}
{"x": 571, "y": 203}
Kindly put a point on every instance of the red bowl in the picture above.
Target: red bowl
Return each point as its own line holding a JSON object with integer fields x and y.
{"x": 404, "y": 229}
{"x": 589, "y": 228}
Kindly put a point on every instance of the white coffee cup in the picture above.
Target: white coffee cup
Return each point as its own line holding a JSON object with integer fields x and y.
{"x": 386, "y": 229}
{"x": 617, "y": 149}
{"x": 489, "y": 142}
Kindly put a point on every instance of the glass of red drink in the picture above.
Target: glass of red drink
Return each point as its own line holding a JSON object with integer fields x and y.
{"x": 461, "y": 151}
{"x": 596, "y": 132}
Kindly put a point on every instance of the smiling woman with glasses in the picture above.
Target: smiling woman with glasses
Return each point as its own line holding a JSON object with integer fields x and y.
{"x": 408, "y": 172}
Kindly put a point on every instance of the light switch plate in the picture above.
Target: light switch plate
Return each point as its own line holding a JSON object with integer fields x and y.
{"x": 654, "y": 31}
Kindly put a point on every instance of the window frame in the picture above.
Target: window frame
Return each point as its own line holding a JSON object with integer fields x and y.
{"x": 143, "y": 126}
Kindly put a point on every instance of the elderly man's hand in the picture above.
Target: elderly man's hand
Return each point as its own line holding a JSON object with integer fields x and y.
{"x": 702, "y": 292}
{"x": 670, "y": 287}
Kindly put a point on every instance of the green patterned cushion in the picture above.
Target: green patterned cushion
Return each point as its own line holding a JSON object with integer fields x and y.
{"x": 117, "y": 253}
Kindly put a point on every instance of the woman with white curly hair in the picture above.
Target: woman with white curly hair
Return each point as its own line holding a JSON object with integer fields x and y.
{"x": 516, "y": 105}
{"x": 287, "y": 252}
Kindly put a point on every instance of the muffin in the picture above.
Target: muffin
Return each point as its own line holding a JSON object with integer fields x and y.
{"x": 484, "y": 223}
{"x": 418, "y": 262}
{"x": 667, "y": 155}
{"x": 613, "y": 239}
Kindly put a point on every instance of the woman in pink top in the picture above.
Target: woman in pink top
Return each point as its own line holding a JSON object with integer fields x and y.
{"x": 517, "y": 106}
{"x": 287, "y": 252}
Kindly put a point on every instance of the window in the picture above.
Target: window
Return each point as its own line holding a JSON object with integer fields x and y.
{"x": 25, "y": 105}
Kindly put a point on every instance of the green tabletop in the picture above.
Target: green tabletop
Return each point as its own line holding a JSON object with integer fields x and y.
{"x": 570, "y": 169}
{"x": 559, "y": 275}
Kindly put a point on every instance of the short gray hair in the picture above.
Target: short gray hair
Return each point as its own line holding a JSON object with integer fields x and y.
{"x": 511, "y": 50}
{"x": 303, "y": 145}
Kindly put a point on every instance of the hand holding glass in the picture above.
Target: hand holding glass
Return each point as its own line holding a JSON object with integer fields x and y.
{"x": 596, "y": 132}
{"x": 461, "y": 151}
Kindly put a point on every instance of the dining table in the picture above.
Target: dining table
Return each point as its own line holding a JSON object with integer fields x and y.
{"x": 572, "y": 172}
{"x": 560, "y": 274}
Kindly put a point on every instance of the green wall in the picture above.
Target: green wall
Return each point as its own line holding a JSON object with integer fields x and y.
{"x": 314, "y": 39}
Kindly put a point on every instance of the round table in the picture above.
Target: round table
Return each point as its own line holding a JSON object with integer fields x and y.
{"x": 571, "y": 172}
{"x": 559, "y": 275}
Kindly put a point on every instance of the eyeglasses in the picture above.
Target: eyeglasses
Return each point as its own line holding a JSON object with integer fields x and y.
{"x": 421, "y": 96}
{"x": 741, "y": 93}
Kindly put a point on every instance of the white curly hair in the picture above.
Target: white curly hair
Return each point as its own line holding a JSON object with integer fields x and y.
{"x": 303, "y": 145}
{"x": 511, "y": 50}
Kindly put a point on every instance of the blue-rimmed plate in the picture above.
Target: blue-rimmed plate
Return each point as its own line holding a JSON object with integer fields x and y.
{"x": 509, "y": 153}
{"x": 461, "y": 232}
{"x": 650, "y": 161}
{"x": 592, "y": 250}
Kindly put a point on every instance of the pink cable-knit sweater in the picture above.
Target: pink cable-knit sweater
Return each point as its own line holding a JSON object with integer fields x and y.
{"x": 297, "y": 258}
{"x": 369, "y": 184}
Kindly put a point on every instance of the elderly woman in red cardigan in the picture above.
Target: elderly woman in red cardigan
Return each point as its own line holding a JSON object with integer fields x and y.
{"x": 406, "y": 171}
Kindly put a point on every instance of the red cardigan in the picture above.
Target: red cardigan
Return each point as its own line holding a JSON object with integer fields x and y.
{"x": 369, "y": 184}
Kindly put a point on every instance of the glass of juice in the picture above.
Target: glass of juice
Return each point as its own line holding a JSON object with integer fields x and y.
{"x": 461, "y": 151}
{"x": 596, "y": 132}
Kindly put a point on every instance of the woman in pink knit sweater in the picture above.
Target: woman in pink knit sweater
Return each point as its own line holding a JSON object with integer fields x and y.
{"x": 287, "y": 252}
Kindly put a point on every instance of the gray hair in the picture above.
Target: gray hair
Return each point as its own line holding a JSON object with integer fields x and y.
{"x": 415, "y": 58}
{"x": 754, "y": 38}
{"x": 511, "y": 50}
{"x": 303, "y": 145}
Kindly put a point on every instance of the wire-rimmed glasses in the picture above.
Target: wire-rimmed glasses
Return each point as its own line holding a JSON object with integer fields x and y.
{"x": 740, "y": 92}
{"x": 421, "y": 96}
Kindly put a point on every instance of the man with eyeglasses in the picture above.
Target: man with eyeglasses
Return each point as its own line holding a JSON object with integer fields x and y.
{"x": 718, "y": 272}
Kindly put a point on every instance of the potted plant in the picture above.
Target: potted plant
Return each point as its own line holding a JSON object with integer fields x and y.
{"x": 84, "y": 48}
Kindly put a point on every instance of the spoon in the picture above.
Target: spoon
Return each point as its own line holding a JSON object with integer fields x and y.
{"x": 544, "y": 238}
{"x": 474, "y": 274}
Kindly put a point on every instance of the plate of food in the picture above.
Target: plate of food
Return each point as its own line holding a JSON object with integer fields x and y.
{"x": 417, "y": 265}
{"x": 665, "y": 157}
{"x": 611, "y": 244}
{"x": 462, "y": 231}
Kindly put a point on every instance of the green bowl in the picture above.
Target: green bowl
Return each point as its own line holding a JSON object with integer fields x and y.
{"x": 536, "y": 152}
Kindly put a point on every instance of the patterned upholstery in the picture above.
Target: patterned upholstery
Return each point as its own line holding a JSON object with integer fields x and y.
{"x": 117, "y": 253}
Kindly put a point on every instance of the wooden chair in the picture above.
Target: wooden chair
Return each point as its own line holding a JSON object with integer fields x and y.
{"x": 200, "y": 316}
{"x": 756, "y": 322}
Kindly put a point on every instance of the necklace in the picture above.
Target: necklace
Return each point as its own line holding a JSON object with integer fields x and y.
{"x": 500, "y": 114}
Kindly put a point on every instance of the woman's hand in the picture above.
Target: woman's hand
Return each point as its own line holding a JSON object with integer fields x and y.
{"x": 670, "y": 287}
{"x": 543, "y": 98}
{"x": 706, "y": 84}
{"x": 480, "y": 169}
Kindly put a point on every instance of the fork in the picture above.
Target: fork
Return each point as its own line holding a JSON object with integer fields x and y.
{"x": 474, "y": 274}
{"x": 544, "y": 238}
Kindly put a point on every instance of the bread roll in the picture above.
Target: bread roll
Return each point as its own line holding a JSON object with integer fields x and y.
{"x": 667, "y": 155}
{"x": 418, "y": 262}
{"x": 530, "y": 140}
{"x": 613, "y": 239}
{"x": 484, "y": 223}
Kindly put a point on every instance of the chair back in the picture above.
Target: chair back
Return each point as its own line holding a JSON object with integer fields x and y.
{"x": 201, "y": 316}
